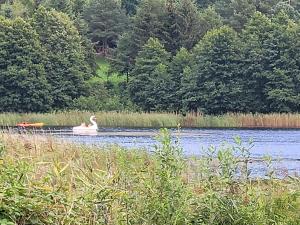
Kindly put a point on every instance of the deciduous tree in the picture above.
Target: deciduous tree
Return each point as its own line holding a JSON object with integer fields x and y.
{"x": 215, "y": 78}
{"x": 23, "y": 83}
{"x": 65, "y": 65}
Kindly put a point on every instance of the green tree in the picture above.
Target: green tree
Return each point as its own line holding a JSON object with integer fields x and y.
{"x": 65, "y": 65}
{"x": 78, "y": 7}
{"x": 175, "y": 24}
{"x": 124, "y": 59}
{"x": 282, "y": 69}
{"x": 64, "y": 6}
{"x": 257, "y": 30}
{"x": 130, "y": 6}
{"x": 266, "y": 6}
{"x": 209, "y": 20}
{"x": 171, "y": 28}
{"x": 177, "y": 66}
{"x": 205, "y": 3}
{"x": 23, "y": 84}
{"x": 236, "y": 12}
{"x": 159, "y": 93}
{"x": 216, "y": 85}
{"x": 88, "y": 48}
{"x": 107, "y": 21}
{"x": 288, "y": 9}
{"x": 270, "y": 64}
{"x": 149, "y": 83}
{"x": 148, "y": 22}
{"x": 14, "y": 9}
{"x": 189, "y": 23}
{"x": 74, "y": 8}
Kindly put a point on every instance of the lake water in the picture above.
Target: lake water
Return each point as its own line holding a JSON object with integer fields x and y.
{"x": 281, "y": 144}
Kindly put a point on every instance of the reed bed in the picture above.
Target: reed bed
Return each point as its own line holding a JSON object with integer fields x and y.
{"x": 284, "y": 120}
{"x": 157, "y": 120}
{"x": 104, "y": 119}
{"x": 46, "y": 181}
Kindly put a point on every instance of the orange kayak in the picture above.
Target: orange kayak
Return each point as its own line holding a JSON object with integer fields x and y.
{"x": 26, "y": 124}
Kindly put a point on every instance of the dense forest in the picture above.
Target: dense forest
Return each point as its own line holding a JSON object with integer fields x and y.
{"x": 210, "y": 56}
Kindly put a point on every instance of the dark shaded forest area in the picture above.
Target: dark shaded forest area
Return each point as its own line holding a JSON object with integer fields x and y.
{"x": 210, "y": 56}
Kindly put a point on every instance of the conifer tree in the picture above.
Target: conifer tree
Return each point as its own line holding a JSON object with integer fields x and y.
{"x": 130, "y": 6}
{"x": 236, "y": 12}
{"x": 65, "y": 6}
{"x": 189, "y": 23}
{"x": 123, "y": 59}
{"x": 177, "y": 66}
{"x": 209, "y": 20}
{"x": 148, "y": 22}
{"x": 107, "y": 21}
{"x": 150, "y": 70}
{"x": 171, "y": 31}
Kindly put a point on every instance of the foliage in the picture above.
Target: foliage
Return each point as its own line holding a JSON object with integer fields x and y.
{"x": 237, "y": 12}
{"x": 44, "y": 181}
{"x": 220, "y": 91}
{"x": 23, "y": 83}
{"x": 177, "y": 66}
{"x": 106, "y": 21}
{"x": 192, "y": 25}
{"x": 166, "y": 197}
{"x": 14, "y": 9}
{"x": 254, "y": 67}
{"x": 130, "y": 6}
{"x": 272, "y": 74}
{"x": 146, "y": 23}
{"x": 64, "y": 6}
{"x": 66, "y": 68}
{"x": 150, "y": 77}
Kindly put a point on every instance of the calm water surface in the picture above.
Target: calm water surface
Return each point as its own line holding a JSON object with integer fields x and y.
{"x": 282, "y": 145}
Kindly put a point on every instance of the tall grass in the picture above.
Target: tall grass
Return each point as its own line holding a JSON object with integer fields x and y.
{"x": 156, "y": 120}
{"x": 44, "y": 181}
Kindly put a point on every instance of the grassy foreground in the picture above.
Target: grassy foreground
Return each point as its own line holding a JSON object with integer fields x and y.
{"x": 43, "y": 181}
{"x": 156, "y": 120}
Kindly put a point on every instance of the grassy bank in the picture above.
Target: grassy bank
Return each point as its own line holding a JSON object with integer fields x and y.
{"x": 155, "y": 120}
{"x": 43, "y": 181}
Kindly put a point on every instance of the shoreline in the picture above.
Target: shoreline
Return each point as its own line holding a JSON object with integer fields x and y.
{"x": 157, "y": 120}
{"x": 52, "y": 127}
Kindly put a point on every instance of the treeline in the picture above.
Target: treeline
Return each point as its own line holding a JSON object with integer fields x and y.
{"x": 213, "y": 56}
{"x": 43, "y": 62}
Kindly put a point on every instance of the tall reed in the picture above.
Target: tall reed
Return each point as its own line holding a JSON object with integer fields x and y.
{"x": 156, "y": 120}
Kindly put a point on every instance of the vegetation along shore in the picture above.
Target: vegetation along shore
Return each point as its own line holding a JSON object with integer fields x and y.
{"x": 46, "y": 181}
{"x": 156, "y": 120}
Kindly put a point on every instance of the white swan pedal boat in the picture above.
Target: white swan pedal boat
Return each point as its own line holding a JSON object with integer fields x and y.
{"x": 84, "y": 129}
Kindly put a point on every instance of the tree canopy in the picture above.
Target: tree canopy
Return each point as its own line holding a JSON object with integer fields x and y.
{"x": 209, "y": 56}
